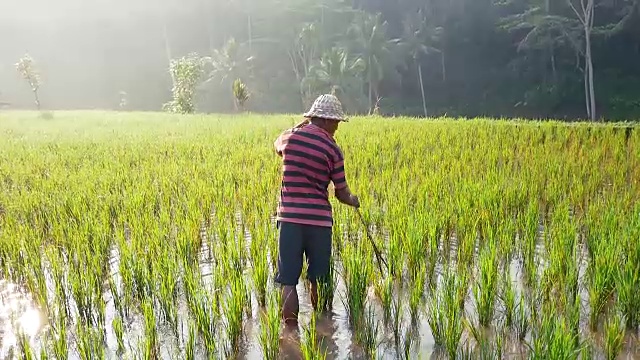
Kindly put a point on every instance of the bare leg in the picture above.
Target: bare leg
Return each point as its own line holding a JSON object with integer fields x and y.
{"x": 290, "y": 305}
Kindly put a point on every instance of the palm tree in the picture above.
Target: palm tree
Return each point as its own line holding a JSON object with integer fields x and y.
{"x": 227, "y": 64}
{"x": 413, "y": 44}
{"x": 336, "y": 72}
{"x": 369, "y": 34}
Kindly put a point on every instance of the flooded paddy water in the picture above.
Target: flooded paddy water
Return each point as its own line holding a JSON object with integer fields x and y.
{"x": 20, "y": 314}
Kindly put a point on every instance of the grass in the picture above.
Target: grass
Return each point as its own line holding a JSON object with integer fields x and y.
{"x": 269, "y": 336}
{"x": 172, "y": 216}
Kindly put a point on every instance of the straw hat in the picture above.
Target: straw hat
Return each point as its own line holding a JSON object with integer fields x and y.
{"x": 326, "y": 106}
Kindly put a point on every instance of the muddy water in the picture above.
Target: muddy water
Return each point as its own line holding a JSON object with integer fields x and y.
{"x": 18, "y": 312}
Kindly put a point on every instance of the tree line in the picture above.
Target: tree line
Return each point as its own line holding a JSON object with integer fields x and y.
{"x": 562, "y": 59}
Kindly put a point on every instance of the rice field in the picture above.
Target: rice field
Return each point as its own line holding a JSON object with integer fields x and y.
{"x": 152, "y": 236}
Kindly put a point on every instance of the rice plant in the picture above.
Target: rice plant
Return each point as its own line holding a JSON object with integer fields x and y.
{"x": 614, "y": 336}
{"x": 269, "y": 336}
{"x": 310, "y": 346}
{"x": 485, "y": 290}
{"x": 126, "y": 213}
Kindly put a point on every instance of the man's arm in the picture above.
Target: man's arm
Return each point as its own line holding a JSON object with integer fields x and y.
{"x": 345, "y": 196}
{"x": 343, "y": 193}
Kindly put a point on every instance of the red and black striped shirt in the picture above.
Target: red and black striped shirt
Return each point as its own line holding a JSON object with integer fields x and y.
{"x": 312, "y": 160}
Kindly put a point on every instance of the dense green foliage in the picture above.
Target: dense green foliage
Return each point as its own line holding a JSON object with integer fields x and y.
{"x": 173, "y": 215}
{"x": 463, "y": 57}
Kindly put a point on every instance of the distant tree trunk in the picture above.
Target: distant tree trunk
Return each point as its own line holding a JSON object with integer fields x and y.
{"x": 35, "y": 94}
{"x": 444, "y": 67}
{"x": 592, "y": 95}
{"x": 586, "y": 17}
{"x": 370, "y": 87}
{"x": 424, "y": 102}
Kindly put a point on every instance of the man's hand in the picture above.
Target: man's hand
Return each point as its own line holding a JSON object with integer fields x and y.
{"x": 354, "y": 201}
{"x": 346, "y": 197}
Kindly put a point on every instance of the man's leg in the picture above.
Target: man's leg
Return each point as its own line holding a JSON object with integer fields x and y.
{"x": 290, "y": 306}
{"x": 290, "y": 250}
{"x": 317, "y": 242}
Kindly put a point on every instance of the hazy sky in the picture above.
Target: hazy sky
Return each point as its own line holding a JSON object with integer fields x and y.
{"x": 46, "y": 10}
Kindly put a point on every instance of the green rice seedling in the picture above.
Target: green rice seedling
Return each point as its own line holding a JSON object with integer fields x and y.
{"x": 326, "y": 289}
{"x": 234, "y": 308}
{"x": 445, "y": 317}
{"x": 166, "y": 291}
{"x": 118, "y": 330}
{"x": 384, "y": 289}
{"x": 601, "y": 273}
{"x": 269, "y": 336}
{"x": 417, "y": 292}
{"x": 436, "y": 317}
{"x": 151, "y": 349}
{"x": 310, "y": 346}
{"x": 485, "y": 290}
{"x": 190, "y": 347}
{"x": 551, "y": 339}
{"x": 115, "y": 296}
{"x": 356, "y": 273}
{"x": 90, "y": 342}
{"x": 587, "y": 351}
{"x": 453, "y": 319}
{"x": 396, "y": 320}
{"x": 259, "y": 270}
{"x": 395, "y": 258}
{"x": 508, "y": 297}
{"x": 368, "y": 336}
{"x": 614, "y": 332}
{"x": 628, "y": 285}
{"x": 521, "y": 319}
{"x": 24, "y": 347}
{"x": 462, "y": 287}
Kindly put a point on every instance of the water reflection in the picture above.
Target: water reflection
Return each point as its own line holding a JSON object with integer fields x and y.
{"x": 18, "y": 314}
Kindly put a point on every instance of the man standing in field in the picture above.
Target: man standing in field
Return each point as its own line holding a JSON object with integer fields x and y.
{"x": 312, "y": 160}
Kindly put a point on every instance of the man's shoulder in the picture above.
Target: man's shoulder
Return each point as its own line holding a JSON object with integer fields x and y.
{"x": 315, "y": 133}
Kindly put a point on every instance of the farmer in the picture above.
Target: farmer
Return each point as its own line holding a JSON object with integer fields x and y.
{"x": 312, "y": 160}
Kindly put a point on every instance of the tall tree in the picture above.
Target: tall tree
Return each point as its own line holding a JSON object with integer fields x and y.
{"x": 337, "y": 72}
{"x": 414, "y": 43}
{"x": 586, "y": 16}
{"x": 27, "y": 69}
{"x": 371, "y": 42}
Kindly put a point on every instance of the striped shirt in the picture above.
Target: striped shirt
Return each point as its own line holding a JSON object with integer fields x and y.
{"x": 312, "y": 160}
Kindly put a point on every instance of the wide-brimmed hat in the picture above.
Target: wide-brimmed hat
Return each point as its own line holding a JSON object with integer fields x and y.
{"x": 326, "y": 106}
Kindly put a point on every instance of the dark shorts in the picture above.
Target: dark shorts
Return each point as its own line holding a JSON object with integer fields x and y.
{"x": 294, "y": 240}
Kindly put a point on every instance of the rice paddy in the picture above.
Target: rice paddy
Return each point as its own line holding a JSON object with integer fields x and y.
{"x": 152, "y": 236}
